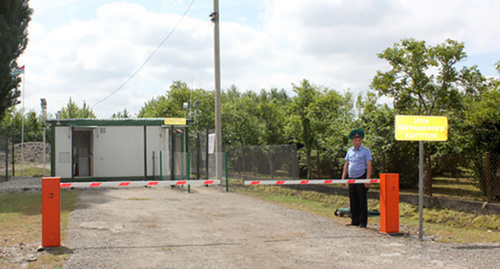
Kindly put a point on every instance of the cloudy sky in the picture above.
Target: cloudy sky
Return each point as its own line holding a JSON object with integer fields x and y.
{"x": 87, "y": 49}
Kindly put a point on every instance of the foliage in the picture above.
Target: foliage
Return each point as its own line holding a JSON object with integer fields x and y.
{"x": 14, "y": 18}
{"x": 171, "y": 105}
{"x": 125, "y": 114}
{"x": 11, "y": 126}
{"x": 423, "y": 79}
{"x": 73, "y": 111}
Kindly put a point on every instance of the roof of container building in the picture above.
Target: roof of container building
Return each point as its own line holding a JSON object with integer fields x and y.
{"x": 120, "y": 122}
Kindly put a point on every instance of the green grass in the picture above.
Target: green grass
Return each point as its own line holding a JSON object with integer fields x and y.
{"x": 31, "y": 171}
{"x": 442, "y": 224}
{"x": 21, "y": 222}
{"x": 138, "y": 199}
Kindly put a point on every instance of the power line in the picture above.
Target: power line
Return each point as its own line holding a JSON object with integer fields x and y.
{"x": 149, "y": 58}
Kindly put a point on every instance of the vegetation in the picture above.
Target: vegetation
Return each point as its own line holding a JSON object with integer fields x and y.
{"x": 422, "y": 79}
{"x": 20, "y": 222}
{"x": 14, "y": 18}
{"x": 442, "y": 225}
{"x": 73, "y": 111}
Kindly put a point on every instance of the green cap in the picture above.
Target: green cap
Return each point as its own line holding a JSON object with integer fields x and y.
{"x": 356, "y": 133}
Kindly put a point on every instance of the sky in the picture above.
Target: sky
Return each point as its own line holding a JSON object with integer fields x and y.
{"x": 88, "y": 49}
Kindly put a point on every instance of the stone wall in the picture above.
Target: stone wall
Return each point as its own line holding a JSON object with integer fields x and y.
{"x": 33, "y": 153}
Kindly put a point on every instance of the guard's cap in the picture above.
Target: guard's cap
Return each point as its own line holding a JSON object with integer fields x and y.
{"x": 356, "y": 133}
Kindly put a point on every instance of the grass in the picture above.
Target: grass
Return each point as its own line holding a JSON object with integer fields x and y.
{"x": 443, "y": 225}
{"x": 21, "y": 222}
{"x": 31, "y": 171}
{"x": 138, "y": 199}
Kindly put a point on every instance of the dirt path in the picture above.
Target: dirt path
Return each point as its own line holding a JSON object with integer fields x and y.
{"x": 165, "y": 228}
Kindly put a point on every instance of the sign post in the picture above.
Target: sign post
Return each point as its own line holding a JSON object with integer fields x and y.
{"x": 421, "y": 128}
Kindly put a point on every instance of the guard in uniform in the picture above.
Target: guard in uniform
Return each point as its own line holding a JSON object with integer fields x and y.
{"x": 358, "y": 166}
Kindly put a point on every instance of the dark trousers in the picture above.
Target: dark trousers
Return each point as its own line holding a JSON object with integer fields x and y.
{"x": 359, "y": 203}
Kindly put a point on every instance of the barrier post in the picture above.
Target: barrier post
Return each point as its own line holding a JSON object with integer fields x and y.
{"x": 51, "y": 212}
{"x": 389, "y": 203}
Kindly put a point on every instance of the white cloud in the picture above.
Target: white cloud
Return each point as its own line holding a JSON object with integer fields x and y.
{"x": 95, "y": 46}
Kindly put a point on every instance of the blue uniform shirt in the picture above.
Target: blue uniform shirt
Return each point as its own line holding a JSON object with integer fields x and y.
{"x": 357, "y": 159}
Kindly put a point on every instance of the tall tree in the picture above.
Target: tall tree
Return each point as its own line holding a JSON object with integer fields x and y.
{"x": 125, "y": 114}
{"x": 11, "y": 125}
{"x": 423, "y": 80}
{"x": 73, "y": 111}
{"x": 14, "y": 18}
{"x": 171, "y": 105}
{"x": 300, "y": 126}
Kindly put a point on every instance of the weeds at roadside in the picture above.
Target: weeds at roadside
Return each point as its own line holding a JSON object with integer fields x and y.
{"x": 444, "y": 225}
{"x": 21, "y": 229}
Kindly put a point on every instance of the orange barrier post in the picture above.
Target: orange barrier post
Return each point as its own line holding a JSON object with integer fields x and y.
{"x": 389, "y": 203}
{"x": 51, "y": 212}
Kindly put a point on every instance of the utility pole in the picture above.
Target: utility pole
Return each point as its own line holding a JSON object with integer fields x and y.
{"x": 218, "y": 126}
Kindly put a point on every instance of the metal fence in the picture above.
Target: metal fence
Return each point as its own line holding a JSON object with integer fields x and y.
{"x": 6, "y": 158}
{"x": 471, "y": 176}
{"x": 263, "y": 162}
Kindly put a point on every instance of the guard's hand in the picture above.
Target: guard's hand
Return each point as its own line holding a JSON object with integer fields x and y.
{"x": 367, "y": 185}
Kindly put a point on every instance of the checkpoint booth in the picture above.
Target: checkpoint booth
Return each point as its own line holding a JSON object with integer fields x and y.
{"x": 115, "y": 149}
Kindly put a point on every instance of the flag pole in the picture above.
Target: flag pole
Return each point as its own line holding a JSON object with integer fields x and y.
{"x": 22, "y": 128}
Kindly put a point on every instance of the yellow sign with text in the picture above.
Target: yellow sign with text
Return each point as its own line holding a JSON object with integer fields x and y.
{"x": 421, "y": 128}
{"x": 175, "y": 121}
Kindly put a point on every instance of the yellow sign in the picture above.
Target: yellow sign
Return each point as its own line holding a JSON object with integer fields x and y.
{"x": 175, "y": 121}
{"x": 421, "y": 128}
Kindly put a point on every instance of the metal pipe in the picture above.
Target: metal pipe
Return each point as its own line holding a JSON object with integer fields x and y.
{"x": 421, "y": 190}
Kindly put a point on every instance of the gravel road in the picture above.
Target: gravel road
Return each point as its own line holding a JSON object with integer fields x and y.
{"x": 169, "y": 228}
{"x": 208, "y": 228}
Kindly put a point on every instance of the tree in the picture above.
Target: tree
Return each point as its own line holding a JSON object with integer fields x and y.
{"x": 300, "y": 126}
{"x": 73, "y": 111}
{"x": 122, "y": 114}
{"x": 424, "y": 80}
{"x": 483, "y": 115}
{"x": 11, "y": 126}
{"x": 416, "y": 88}
{"x": 241, "y": 123}
{"x": 171, "y": 105}
{"x": 14, "y": 18}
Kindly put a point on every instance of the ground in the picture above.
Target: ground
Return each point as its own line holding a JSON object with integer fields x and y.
{"x": 208, "y": 228}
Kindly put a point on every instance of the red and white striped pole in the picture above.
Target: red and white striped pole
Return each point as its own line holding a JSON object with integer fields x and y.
{"x": 116, "y": 184}
{"x": 309, "y": 181}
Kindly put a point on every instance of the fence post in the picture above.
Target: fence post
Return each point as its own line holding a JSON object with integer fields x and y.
{"x": 188, "y": 171}
{"x": 227, "y": 179}
{"x": 161, "y": 167}
{"x": 389, "y": 203}
{"x": 154, "y": 174}
{"x": 383, "y": 162}
{"x": 488, "y": 176}
{"x": 51, "y": 212}
{"x": 13, "y": 160}
{"x": 429, "y": 176}
{"x": 6, "y": 159}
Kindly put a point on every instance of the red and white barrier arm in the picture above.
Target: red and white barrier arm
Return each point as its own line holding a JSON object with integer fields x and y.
{"x": 310, "y": 181}
{"x": 115, "y": 184}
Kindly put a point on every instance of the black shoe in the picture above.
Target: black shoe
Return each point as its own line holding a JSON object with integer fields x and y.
{"x": 362, "y": 226}
{"x": 352, "y": 224}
